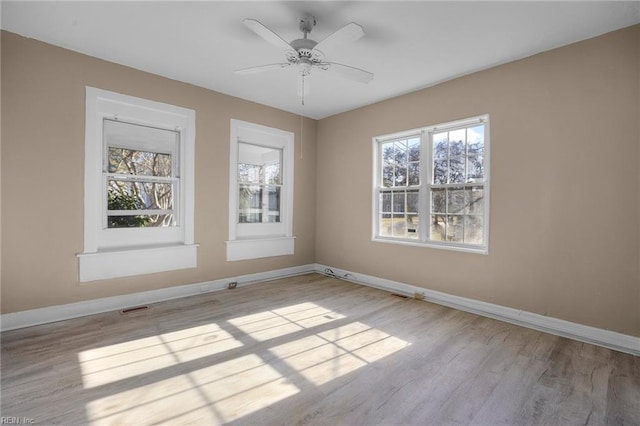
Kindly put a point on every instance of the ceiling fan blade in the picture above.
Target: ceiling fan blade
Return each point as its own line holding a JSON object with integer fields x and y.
{"x": 352, "y": 73}
{"x": 264, "y": 32}
{"x": 350, "y": 32}
{"x": 261, "y": 68}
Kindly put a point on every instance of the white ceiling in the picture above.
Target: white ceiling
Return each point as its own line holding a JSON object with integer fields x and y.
{"x": 407, "y": 45}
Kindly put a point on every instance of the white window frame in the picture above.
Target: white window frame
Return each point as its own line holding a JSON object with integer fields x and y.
{"x": 426, "y": 183}
{"x": 118, "y": 252}
{"x": 257, "y": 240}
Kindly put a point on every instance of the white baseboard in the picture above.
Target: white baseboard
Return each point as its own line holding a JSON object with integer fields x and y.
{"x": 32, "y": 317}
{"x": 571, "y": 330}
{"x": 584, "y": 333}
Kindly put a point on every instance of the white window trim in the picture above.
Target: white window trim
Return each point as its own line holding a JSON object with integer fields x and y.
{"x": 111, "y": 253}
{"x": 257, "y": 240}
{"x": 425, "y": 182}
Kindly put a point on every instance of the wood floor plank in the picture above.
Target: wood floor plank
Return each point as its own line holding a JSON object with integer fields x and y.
{"x": 309, "y": 350}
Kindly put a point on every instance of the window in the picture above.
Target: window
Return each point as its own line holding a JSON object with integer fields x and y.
{"x": 139, "y": 160}
{"x": 432, "y": 186}
{"x": 141, "y": 173}
{"x": 259, "y": 183}
{"x": 260, "y": 192}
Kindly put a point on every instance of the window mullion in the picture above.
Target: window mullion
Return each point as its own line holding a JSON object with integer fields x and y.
{"x": 140, "y": 178}
{"x": 150, "y": 212}
{"x": 424, "y": 209}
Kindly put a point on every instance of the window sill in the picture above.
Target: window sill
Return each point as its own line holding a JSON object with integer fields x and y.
{"x": 124, "y": 262}
{"x": 243, "y": 249}
{"x": 441, "y": 246}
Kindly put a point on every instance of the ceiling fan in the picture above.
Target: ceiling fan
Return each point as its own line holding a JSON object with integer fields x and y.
{"x": 306, "y": 54}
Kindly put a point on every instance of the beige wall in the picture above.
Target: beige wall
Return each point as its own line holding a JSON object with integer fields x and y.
{"x": 43, "y": 92}
{"x": 564, "y": 192}
{"x": 565, "y": 204}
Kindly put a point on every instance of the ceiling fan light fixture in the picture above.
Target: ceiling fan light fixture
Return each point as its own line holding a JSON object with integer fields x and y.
{"x": 304, "y": 65}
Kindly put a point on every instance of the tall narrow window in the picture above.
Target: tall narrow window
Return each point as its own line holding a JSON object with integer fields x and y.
{"x": 432, "y": 187}
{"x": 138, "y": 204}
{"x": 260, "y": 192}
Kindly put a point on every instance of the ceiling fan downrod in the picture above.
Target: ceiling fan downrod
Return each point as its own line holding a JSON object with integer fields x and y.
{"x": 306, "y": 24}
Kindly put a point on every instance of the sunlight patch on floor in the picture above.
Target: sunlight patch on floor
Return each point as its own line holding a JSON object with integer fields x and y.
{"x": 280, "y": 322}
{"x": 331, "y": 354}
{"x": 168, "y": 379}
{"x": 126, "y": 360}
{"x": 212, "y": 395}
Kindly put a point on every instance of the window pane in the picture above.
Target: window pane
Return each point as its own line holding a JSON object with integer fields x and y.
{"x": 475, "y": 140}
{"x": 139, "y": 138}
{"x": 125, "y": 195}
{"x": 401, "y": 175}
{"x": 398, "y": 202}
{"x": 414, "y": 173}
{"x": 475, "y": 197}
{"x": 385, "y": 225}
{"x": 272, "y": 174}
{"x": 455, "y": 228}
{"x": 387, "y": 176}
{"x": 438, "y": 228}
{"x": 141, "y": 163}
{"x": 259, "y": 164}
{"x": 473, "y": 229}
{"x": 440, "y": 171}
{"x": 387, "y": 153}
{"x": 455, "y": 200}
{"x": 456, "y": 170}
{"x": 385, "y": 202}
{"x": 400, "y": 153}
{"x": 414, "y": 149}
{"x": 456, "y": 142}
{"x": 475, "y": 169}
{"x": 399, "y": 228}
{"x": 249, "y": 173}
{"x": 274, "y": 204}
{"x": 440, "y": 145}
{"x": 413, "y": 201}
{"x": 438, "y": 201}
{"x": 412, "y": 226}
{"x": 140, "y": 221}
{"x": 250, "y": 204}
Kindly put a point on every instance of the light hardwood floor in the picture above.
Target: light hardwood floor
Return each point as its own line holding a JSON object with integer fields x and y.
{"x": 310, "y": 350}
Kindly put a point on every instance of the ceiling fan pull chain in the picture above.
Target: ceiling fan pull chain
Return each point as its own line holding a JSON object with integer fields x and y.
{"x": 302, "y": 118}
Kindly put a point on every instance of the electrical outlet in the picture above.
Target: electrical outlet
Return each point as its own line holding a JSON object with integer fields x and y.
{"x": 418, "y": 295}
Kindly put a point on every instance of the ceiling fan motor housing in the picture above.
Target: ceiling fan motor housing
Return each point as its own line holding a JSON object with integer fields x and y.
{"x": 304, "y": 50}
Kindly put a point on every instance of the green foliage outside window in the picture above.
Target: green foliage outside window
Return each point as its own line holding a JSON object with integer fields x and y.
{"x": 125, "y": 202}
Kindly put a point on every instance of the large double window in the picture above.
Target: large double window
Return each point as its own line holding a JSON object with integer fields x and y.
{"x": 432, "y": 186}
{"x": 138, "y": 203}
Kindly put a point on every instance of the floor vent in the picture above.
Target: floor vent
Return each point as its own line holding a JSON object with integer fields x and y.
{"x": 401, "y": 296}
{"x": 134, "y": 309}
